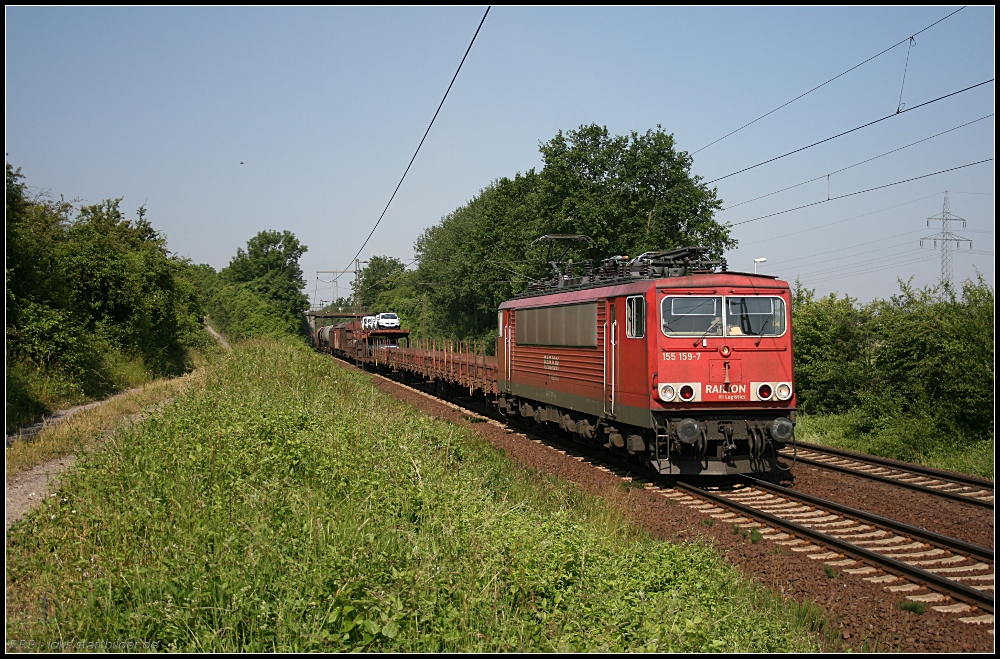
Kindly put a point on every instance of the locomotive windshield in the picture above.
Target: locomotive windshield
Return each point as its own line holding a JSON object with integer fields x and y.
{"x": 692, "y": 315}
{"x": 704, "y": 316}
{"x": 755, "y": 316}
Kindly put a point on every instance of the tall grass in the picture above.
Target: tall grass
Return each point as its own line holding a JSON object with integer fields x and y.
{"x": 84, "y": 430}
{"x": 289, "y": 505}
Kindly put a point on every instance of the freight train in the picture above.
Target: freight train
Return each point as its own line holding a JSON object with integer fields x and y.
{"x": 667, "y": 356}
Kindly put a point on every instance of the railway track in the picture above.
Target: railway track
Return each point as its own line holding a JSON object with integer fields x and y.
{"x": 958, "y": 487}
{"x": 949, "y": 575}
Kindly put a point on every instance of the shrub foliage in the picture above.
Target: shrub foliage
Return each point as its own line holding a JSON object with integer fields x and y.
{"x": 924, "y": 356}
{"x": 94, "y": 302}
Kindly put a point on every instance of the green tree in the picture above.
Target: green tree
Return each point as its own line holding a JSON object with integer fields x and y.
{"x": 94, "y": 303}
{"x": 266, "y": 253}
{"x": 629, "y": 193}
{"x": 270, "y": 267}
{"x": 934, "y": 357}
{"x": 832, "y": 361}
{"x": 260, "y": 292}
{"x": 381, "y": 274}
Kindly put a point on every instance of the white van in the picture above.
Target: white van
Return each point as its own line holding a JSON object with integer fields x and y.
{"x": 387, "y": 321}
{"x": 369, "y": 322}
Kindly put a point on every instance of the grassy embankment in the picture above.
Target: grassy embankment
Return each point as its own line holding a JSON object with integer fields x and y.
{"x": 85, "y": 430}
{"x": 917, "y": 441}
{"x": 288, "y": 504}
{"x": 33, "y": 392}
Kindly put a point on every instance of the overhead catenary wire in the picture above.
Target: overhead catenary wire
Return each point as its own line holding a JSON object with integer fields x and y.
{"x": 848, "y": 132}
{"x": 913, "y": 41}
{"x": 839, "y": 75}
{"x": 844, "y": 169}
{"x": 426, "y": 132}
{"x": 809, "y": 257}
{"x": 786, "y": 234}
{"x": 866, "y": 271}
{"x": 857, "y": 192}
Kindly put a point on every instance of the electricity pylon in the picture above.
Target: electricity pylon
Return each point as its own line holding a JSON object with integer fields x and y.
{"x": 946, "y": 237}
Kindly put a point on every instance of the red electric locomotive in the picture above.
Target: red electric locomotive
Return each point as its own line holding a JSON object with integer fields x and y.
{"x": 667, "y": 356}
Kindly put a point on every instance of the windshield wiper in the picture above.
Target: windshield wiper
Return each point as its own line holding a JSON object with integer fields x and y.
{"x": 710, "y": 328}
{"x": 760, "y": 335}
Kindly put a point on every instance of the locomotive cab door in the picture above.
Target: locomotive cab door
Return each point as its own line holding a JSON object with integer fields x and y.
{"x": 610, "y": 358}
{"x": 506, "y": 346}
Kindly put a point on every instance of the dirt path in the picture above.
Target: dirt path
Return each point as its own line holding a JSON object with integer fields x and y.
{"x": 61, "y": 415}
{"x": 27, "y": 490}
{"x": 221, "y": 339}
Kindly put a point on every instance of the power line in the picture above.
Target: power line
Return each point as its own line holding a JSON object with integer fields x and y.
{"x": 831, "y": 80}
{"x": 870, "y": 270}
{"x": 851, "y": 194}
{"x": 897, "y": 260}
{"x": 845, "y": 265}
{"x": 847, "y": 132}
{"x": 830, "y": 224}
{"x": 842, "y": 249}
{"x": 440, "y": 105}
{"x": 844, "y": 169}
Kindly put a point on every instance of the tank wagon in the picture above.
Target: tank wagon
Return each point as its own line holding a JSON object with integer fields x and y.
{"x": 667, "y": 356}
{"x": 359, "y": 340}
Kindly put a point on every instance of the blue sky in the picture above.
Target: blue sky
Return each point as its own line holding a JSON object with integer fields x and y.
{"x": 325, "y": 107}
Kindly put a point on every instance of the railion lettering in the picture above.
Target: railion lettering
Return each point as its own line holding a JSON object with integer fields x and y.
{"x": 725, "y": 388}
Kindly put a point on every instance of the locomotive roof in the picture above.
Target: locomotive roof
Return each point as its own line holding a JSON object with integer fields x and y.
{"x": 633, "y": 286}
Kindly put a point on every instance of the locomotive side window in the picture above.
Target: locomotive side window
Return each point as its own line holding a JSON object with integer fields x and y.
{"x": 635, "y": 317}
{"x": 755, "y": 316}
{"x": 691, "y": 315}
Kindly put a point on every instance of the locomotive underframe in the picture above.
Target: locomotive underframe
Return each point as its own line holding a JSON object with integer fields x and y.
{"x": 730, "y": 442}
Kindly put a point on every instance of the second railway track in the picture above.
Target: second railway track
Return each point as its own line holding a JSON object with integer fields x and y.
{"x": 957, "y": 487}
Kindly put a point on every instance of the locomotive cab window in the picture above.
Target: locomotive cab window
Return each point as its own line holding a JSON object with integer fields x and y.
{"x": 689, "y": 315}
{"x": 635, "y": 317}
{"x": 755, "y": 316}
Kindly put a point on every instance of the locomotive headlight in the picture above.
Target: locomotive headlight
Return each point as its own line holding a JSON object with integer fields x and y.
{"x": 783, "y": 391}
{"x": 764, "y": 391}
{"x": 780, "y": 429}
{"x": 688, "y": 431}
{"x": 667, "y": 392}
{"x": 687, "y": 392}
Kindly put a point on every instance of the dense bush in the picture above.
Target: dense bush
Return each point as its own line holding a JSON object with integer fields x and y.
{"x": 94, "y": 302}
{"x": 923, "y": 358}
